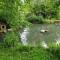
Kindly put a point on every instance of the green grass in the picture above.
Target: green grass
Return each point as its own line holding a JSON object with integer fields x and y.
{"x": 26, "y": 53}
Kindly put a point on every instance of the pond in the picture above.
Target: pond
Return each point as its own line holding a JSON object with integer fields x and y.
{"x": 33, "y": 36}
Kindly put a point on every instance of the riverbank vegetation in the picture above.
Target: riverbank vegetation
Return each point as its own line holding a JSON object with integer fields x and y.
{"x": 19, "y": 14}
{"x": 44, "y": 9}
{"x": 29, "y": 53}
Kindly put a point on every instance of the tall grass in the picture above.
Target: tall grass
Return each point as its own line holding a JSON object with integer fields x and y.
{"x": 26, "y": 53}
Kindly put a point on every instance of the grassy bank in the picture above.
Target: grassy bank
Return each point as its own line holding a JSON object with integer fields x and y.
{"x": 26, "y": 53}
{"x": 51, "y": 21}
{"x": 44, "y": 21}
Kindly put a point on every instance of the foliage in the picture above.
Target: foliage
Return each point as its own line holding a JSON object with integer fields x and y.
{"x": 17, "y": 15}
{"x": 46, "y": 9}
{"x": 11, "y": 12}
{"x": 55, "y": 50}
{"x": 58, "y": 17}
{"x": 26, "y": 53}
{"x": 35, "y": 19}
{"x": 11, "y": 39}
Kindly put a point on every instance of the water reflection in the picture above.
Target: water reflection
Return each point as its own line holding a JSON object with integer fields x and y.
{"x": 44, "y": 44}
{"x": 24, "y": 36}
{"x": 58, "y": 39}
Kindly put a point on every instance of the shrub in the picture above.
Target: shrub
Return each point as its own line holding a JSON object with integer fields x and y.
{"x": 11, "y": 39}
{"x": 35, "y": 19}
{"x": 55, "y": 52}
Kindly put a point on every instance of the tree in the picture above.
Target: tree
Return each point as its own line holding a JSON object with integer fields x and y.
{"x": 48, "y": 9}
{"x": 11, "y": 12}
{"x": 14, "y": 13}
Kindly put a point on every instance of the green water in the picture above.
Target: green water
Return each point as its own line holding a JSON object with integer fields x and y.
{"x": 35, "y": 37}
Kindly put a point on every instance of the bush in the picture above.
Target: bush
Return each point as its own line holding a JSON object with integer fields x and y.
{"x": 34, "y": 53}
{"x": 11, "y": 39}
{"x": 26, "y": 53}
{"x": 47, "y": 9}
{"x": 11, "y": 12}
{"x": 35, "y": 19}
{"x": 58, "y": 14}
{"x": 55, "y": 51}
